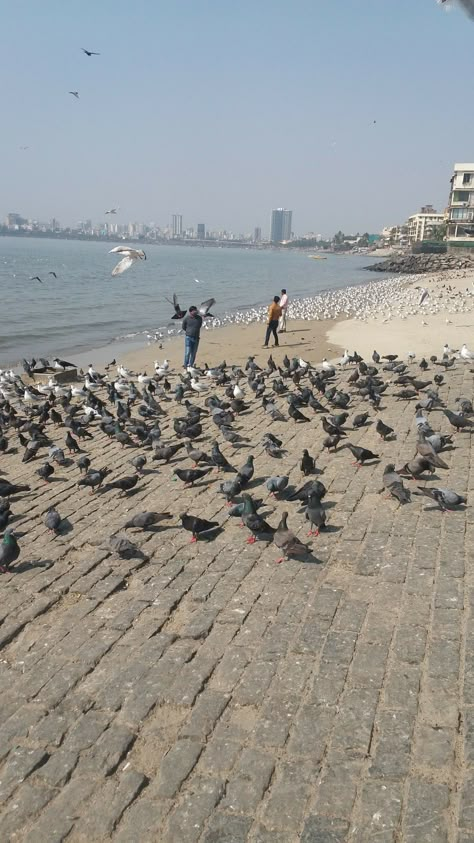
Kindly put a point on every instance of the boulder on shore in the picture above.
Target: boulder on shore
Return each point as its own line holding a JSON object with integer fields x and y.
{"x": 418, "y": 264}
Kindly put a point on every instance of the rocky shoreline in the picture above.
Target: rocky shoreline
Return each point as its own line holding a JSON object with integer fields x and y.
{"x": 420, "y": 264}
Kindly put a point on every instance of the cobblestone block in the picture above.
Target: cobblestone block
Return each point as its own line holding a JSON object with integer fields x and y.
{"x": 248, "y": 782}
{"x": 224, "y": 828}
{"x": 186, "y": 821}
{"x": 324, "y": 830}
{"x": 254, "y": 683}
{"x": 291, "y": 786}
{"x": 176, "y": 766}
{"x": 425, "y": 812}
{"x": 20, "y": 763}
{"x": 391, "y": 758}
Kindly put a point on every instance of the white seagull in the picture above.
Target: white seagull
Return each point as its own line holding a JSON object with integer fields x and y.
{"x": 467, "y": 5}
{"x": 466, "y": 354}
{"x": 129, "y": 256}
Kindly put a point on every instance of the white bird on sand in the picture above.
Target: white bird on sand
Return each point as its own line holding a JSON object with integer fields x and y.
{"x": 198, "y": 387}
{"x": 345, "y": 358}
{"x": 124, "y": 372}
{"x": 193, "y": 372}
{"x": 129, "y": 256}
{"x": 465, "y": 353}
{"x": 162, "y": 367}
{"x": 238, "y": 392}
{"x": 302, "y": 363}
{"x": 144, "y": 379}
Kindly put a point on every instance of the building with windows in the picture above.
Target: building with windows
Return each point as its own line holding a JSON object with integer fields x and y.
{"x": 257, "y": 235}
{"x": 201, "y": 231}
{"x": 177, "y": 225}
{"x": 422, "y": 226}
{"x": 460, "y": 233}
{"x": 281, "y": 225}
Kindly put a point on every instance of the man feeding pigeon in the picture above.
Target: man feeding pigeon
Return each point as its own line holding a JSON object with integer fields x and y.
{"x": 191, "y": 326}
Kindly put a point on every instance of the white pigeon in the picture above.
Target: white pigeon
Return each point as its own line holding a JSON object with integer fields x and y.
{"x": 465, "y": 353}
{"x": 129, "y": 256}
{"x": 345, "y": 358}
{"x": 302, "y": 363}
{"x": 238, "y": 392}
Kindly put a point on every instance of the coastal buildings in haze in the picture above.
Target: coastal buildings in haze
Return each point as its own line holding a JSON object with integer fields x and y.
{"x": 460, "y": 232}
{"x": 257, "y": 235}
{"x": 280, "y": 231}
{"x": 201, "y": 231}
{"x": 423, "y": 225}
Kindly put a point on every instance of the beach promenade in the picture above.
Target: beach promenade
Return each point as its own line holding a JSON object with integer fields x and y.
{"x": 207, "y": 693}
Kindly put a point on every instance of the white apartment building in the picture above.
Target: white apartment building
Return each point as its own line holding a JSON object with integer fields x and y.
{"x": 460, "y": 234}
{"x": 421, "y": 226}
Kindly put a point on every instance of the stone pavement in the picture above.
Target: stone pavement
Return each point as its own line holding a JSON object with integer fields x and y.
{"x": 211, "y": 695}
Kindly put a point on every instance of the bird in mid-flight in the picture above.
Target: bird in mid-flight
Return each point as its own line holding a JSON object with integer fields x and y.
{"x": 36, "y": 278}
{"x": 89, "y": 52}
{"x": 129, "y": 256}
{"x": 52, "y": 273}
{"x": 467, "y": 5}
{"x": 74, "y": 93}
{"x": 112, "y": 211}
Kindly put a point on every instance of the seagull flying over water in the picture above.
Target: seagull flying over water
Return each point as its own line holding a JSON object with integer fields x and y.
{"x": 89, "y": 52}
{"x": 129, "y": 256}
{"x": 74, "y": 93}
{"x": 467, "y": 5}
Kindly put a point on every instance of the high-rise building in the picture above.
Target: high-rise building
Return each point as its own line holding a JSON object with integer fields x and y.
{"x": 257, "y": 235}
{"x": 201, "y": 231}
{"x": 281, "y": 225}
{"x": 460, "y": 232}
{"x": 177, "y": 225}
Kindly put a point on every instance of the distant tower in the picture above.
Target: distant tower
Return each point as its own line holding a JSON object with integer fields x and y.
{"x": 177, "y": 225}
{"x": 281, "y": 225}
{"x": 201, "y": 231}
{"x": 257, "y": 235}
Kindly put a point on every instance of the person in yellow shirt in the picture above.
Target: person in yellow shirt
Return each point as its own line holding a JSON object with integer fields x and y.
{"x": 274, "y": 313}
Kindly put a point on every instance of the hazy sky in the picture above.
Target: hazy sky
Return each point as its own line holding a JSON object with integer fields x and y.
{"x": 223, "y": 109}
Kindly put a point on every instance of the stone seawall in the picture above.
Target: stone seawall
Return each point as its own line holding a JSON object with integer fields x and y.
{"x": 418, "y": 264}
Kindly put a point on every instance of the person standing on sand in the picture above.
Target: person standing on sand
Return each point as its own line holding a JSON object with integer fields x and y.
{"x": 284, "y": 307}
{"x": 192, "y": 328}
{"x": 274, "y": 313}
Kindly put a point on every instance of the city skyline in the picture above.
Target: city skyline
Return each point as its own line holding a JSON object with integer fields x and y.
{"x": 339, "y": 133}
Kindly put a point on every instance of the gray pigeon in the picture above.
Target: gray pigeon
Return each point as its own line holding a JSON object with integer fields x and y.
{"x": 393, "y": 483}
{"x": 445, "y": 498}
{"x": 287, "y": 541}
{"x": 9, "y": 550}
{"x": 315, "y": 514}
{"x": 145, "y": 520}
{"x": 53, "y": 520}
{"x": 277, "y": 485}
{"x": 231, "y": 488}
{"x": 124, "y": 548}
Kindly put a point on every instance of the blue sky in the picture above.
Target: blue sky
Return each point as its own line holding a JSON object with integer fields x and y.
{"x": 223, "y": 109}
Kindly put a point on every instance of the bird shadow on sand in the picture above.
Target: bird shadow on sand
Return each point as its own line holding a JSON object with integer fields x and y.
{"x": 65, "y": 527}
{"x": 23, "y": 567}
{"x": 56, "y": 479}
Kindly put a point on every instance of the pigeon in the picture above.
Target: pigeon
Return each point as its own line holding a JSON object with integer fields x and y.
{"x": 93, "y": 479}
{"x": 315, "y": 514}
{"x": 71, "y": 444}
{"x": 287, "y": 541}
{"x": 254, "y": 522}
{"x": 45, "y": 471}
{"x": 307, "y": 464}
{"x": 129, "y": 256}
{"x": 125, "y": 484}
{"x": 296, "y": 415}
{"x": 445, "y": 498}
{"x": 236, "y": 510}
{"x": 383, "y": 430}
{"x": 231, "y": 488}
{"x": 5, "y": 516}
{"x": 277, "y": 485}
{"x": 394, "y": 484}
{"x": 360, "y": 420}
{"x": 457, "y": 420}
{"x": 53, "y": 520}
{"x": 124, "y": 548}
{"x": 303, "y": 493}
{"x": 219, "y": 460}
{"x": 7, "y": 489}
{"x": 332, "y": 441}
{"x": 167, "y": 452}
{"x": 145, "y": 520}
{"x": 138, "y": 462}
{"x": 205, "y": 307}
{"x": 189, "y": 476}
{"x": 361, "y": 454}
{"x": 83, "y": 463}
{"x": 178, "y": 312}
{"x": 199, "y": 527}
{"x": 416, "y": 467}
{"x": 246, "y": 473}
{"x": 9, "y": 550}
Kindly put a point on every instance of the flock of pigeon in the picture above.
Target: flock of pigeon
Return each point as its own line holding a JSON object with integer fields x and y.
{"x": 153, "y": 418}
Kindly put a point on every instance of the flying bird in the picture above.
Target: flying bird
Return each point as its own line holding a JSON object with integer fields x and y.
{"x": 112, "y": 210}
{"x": 52, "y": 273}
{"x": 129, "y": 256}
{"x": 74, "y": 94}
{"x": 467, "y": 5}
{"x": 205, "y": 307}
{"x": 178, "y": 313}
{"x": 89, "y": 52}
{"x": 36, "y": 278}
